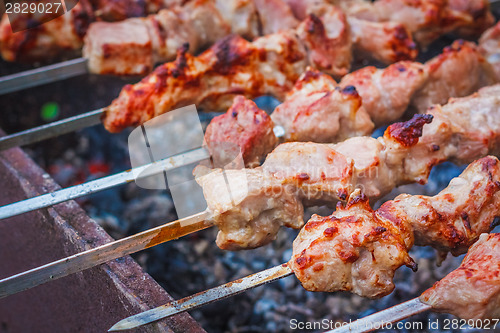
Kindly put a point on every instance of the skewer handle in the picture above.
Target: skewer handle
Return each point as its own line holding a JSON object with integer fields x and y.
{"x": 203, "y": 298}
{"x": 88, "y": 259}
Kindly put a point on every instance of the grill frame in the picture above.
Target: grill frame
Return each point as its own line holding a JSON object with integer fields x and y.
{"x": 92, "y": 300}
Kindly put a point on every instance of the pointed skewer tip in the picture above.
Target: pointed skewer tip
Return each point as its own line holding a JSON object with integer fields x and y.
{"x": 122, "y": 325}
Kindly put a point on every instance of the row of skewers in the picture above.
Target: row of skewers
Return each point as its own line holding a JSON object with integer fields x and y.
{"x": 330, "y": 30}
{"x": 461, "y": 131}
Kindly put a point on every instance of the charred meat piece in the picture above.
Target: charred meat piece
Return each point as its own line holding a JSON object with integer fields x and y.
{"x": 490, "y": 48}
{"x": 386, "y": 93}
{"x": 133, "y": 46}
{"x": 326, "y": 35}
{"x": 428, "y": 19}
{"x": 269, "y": 65}
{"x": 350, "y": 250}
{"x": 472, "y": 291}
{"x": 357, "y": 249}
{"x": 250, "y": 210}
{"x": 247, "y": 127}
{"x": 457, "y": 72}
{"x": 462, "y": 131}
{"x": 327, "y": 114}
{"x": 386, "y": 42}
{"x": 60, "y": 36}
{"x": 452, "y": 220}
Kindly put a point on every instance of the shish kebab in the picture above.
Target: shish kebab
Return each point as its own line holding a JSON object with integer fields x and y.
{"x": 469, "y": 292}
{"x": 306, "y": 173}
{"x": 319, "y": 110}
{"x": 358, "y": 249}
{"x": 111, "y": 49}
{"x": 231, "y": 60}
{"x": 63, "y": 35}
{"x": 201, "y": 22}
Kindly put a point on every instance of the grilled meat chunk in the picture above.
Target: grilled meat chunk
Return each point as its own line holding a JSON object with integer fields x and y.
{"x": 60, "y": 36}
{"x": 275, "y": 16}
{"x": 462, "y": 131}
{"x": 490, "y": 48}
{"x": 386, "y": 93}
{"x": 358, "y": 249}
{"x": 123, "y": 47}
{"x": 426, "y": 20}
{"x": 320, "y": 174}
{"x": 452, "y": 220}
{"x": 457, "y": 72}
{"x": 247, "y": 127}
{"x": 327, "y": 114}
{"x": 386, "y": 42}
{"x": 251, "y": 211}
{"x": 326, "y": 35}
{"x": 350, "y": 250}
{"x": 473, "y": 290}
{"x": 112, "y": 48}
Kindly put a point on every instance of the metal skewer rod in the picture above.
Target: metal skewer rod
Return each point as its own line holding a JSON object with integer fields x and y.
{"x": 68, "y": 125}
{"x": 367, "y": 324}
{"x": 54, "y": 129}
{"x": 88, "y": 259}
{"x": 203, "y": 298}
{"x": 42, "y": 75}
{"x": 122, "y": 178}
{"x": 391, "y": 315}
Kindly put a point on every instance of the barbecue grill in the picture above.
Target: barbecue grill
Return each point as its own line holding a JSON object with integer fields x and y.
{"x": 116, "y": 290}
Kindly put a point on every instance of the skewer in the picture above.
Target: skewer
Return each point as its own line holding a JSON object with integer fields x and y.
{"x": 99, "y": 255}
{"x": 390, "y": 315}
{"x": 54, "y": 129}
{"x": 103, "y": 183}
{"x": 203, "y": 298}
{"x": 387, "y": 316}
{"x": 43, "y": 75}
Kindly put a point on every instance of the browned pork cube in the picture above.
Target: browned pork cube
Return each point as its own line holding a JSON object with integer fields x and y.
{"x": 247, "y": 127}
{"x": 119, "y": 48}
{"x": 473, "y": 290}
